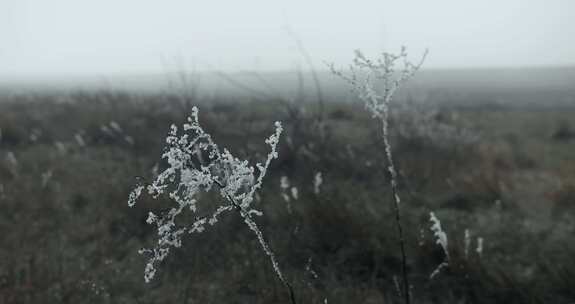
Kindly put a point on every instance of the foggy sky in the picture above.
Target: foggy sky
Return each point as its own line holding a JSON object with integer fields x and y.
{"x": 106, "y": 37}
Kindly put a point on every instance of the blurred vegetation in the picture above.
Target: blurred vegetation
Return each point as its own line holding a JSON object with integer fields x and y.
{"x": 507, "y": 175}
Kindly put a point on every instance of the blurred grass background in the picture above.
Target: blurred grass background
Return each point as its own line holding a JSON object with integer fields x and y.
{"x": 505, "y": 173}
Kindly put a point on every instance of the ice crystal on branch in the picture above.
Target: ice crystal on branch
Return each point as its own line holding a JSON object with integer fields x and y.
{"x": 467, "y": 240}
{"x": 441, "y": 240}
{"x": 479, "y": 248}
{"x": 196, "y": 164}
{"x": 317, "y": 181}
{"x": 376, "y": 82}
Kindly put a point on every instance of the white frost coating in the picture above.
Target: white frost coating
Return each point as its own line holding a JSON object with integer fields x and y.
{"x": 479, "y": 249}
{"x": 134, "y": 195}
{"x": 294, "y": 193}
{"x": 284, "y": 187}
{"x": 196, "y": 164}
{"x": 310, "y": 270}
{"x": 116, "y": 126}
{"x": 79, "y": 140}
{"x": 248, "y": 220}
{"x": 441, "y": 237}
{"x": 286, "y": 198}
{"x": 375, "y": 82}
{"x": 467, "y": 242}
{"x": 272, "y": 141}
{"x": 284, "y": 182}
{"x": 317, "y": 181}
{"x": 11, "y": 159}
{"x": 441, "y": 240}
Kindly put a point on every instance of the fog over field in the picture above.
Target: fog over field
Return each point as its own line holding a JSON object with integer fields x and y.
{"x": 274, "y": 151}
{"x": 236, "y": 82}
{"x": 104, "y": 38}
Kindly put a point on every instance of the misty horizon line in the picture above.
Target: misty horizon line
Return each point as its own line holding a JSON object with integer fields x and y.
{"x": 324, "y": 70}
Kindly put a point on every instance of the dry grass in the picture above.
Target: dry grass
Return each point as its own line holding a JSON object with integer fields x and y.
{"x": 69, "y": 236}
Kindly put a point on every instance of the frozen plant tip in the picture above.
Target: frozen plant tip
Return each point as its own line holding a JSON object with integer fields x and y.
{"x": 467, "y": 240}
{"x": 441, "y": 240}
{"x": 317, "y": 181}
{"x": 376, "y": 82}
{"x": 479, "y": 248}
{"x": 284, "y": 186}
{"x": 196, "y": 164}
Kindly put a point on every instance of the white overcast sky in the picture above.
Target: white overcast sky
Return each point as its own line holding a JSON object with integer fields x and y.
{"x": 107, "y": 37}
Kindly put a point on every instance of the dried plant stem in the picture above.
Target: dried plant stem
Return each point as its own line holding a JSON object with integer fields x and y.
{"x": 363, "y": 75}
{"x": 266, "y": 248}
{"x": 261, "y": 240}
{"x": 396, "y": 202}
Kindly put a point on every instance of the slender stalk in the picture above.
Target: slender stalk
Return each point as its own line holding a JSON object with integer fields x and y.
{"x": 265, "y": 246}
{"x": 384, "y": 69}
{"x": 396, "y": 203}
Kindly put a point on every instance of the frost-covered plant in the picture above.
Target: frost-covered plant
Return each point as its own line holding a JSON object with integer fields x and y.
{"x": 113, "y": 130}
{"x": 196, "y": 164}
{"x": 60, "y": 147}
{"x": 284, "y": 187}
{"x": 467, "y": 240}
{"x": 479, "y": 248}
{"x": 288, "y": 193}
{"x": 317, "y": 181}
{"x": 294, "y": 193}
{"x": 441, "y": 240}
{"x": 80, "y": 139}
{"x": 376, "y": 82}
{"x": 35, "y": 135}
{"x": 12, "y": 163}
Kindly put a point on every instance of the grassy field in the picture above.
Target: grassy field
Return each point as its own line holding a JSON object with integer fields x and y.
{"x": 504, "y": 174}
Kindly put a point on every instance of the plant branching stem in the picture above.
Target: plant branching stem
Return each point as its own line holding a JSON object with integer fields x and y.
{"x": 396, "y": 203}
{"x": 237, "y": 206}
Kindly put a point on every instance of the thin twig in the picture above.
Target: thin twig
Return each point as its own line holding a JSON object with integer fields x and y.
{"x": 263, "y": 243}
{"x": 395, "y": 193}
